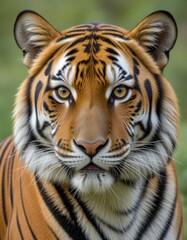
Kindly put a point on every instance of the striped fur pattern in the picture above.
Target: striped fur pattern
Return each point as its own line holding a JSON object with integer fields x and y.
{"x": 95, "y": 128}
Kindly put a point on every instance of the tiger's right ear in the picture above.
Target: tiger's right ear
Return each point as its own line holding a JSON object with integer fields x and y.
{"x": 32, "y": 33}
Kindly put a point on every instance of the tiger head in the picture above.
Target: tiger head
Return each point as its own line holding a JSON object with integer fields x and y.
{"x": 95, "y": 109}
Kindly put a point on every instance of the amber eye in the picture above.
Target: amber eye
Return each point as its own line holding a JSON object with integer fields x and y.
{"x": 120, "y": 92}
{"x": 63, "y": 93}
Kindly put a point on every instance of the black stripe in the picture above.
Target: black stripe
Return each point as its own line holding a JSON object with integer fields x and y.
{"x": 128, "y": 77}
{"x": 140, "y": 198}
{"x": 3, "y": 195}
{"x": 25, "y": 214}
{"x": 32, "y": 138}
{"x": 84, "y": 62}
{"x": 11, "y": 169}
{"x": 128, "y": 182}
{"x": 148, "y": 128}
{"x": 180, "y": 229}
{"x": 136, "y": 72}
{"x": 73, "y": 231}
{"x": 67, "y": 156}
{"x": 107, "y": 40}
{"x": 116, "y": 35}
{"x": 46, "y": 107}
{"x": 73, "y": 51}
{"x": 112, "y": 51}
{"x": 7, "y": 143}
{"x": 48, "y": 69}
{"x": 118, "y": 230}
{"x": 3, "y": 184}
{"x": 103, "y": 69}
{"x": 123, "y": 73}
{"x": 56, "y": 79}
{"x": 19, "y": 228}
{"x": 168, "y": 150}
{"x": 160, "y": 95}
{"x": 75, "y": 30}
{"x": 113, "y": 59}
{"x": 136, "y": 68}
{"x": 70, "y": 59}
{"x": 89, "y": 216}
{"x": 37, "y": 93}
{"x": 129, "y": 131}
{"x": 155, "y": 207}
{"x": 167, "y": 225}
{"x": 28, "y": 97}
{"x": 79, "y": 40}
{"x": 67, "y": 202}
{"x": 138, "y": 106}
{"x": 116, "y": 155}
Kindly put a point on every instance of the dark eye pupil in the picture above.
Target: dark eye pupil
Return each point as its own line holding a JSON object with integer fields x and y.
{"x": 120, "y": 90}
{"x": 64, "y": 91}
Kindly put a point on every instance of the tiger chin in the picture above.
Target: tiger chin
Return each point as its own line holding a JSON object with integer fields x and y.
{"x": 95, "y": 128}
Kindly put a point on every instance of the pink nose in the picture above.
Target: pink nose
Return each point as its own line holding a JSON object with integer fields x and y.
{"x": 90, "y": 148}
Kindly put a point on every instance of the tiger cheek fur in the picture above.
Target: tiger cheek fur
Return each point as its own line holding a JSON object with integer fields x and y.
{"x": 95, "y": 128}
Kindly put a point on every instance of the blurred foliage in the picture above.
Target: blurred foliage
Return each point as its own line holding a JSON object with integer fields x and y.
{"x": 63, "y": 14}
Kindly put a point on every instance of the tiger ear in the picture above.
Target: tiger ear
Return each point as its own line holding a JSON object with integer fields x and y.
{"x": 32, "y": 33}
{"x": 157, "y": 34}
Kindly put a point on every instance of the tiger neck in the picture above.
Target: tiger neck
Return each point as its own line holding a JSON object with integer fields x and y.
{"x": 118, "y": 203}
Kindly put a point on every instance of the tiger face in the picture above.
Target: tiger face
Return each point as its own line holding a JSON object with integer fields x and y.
{"x": 95, "y": 109}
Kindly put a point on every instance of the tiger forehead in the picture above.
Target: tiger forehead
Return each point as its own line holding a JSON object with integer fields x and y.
{"x": 90, "y": 37}
{"x": 92, "y": 53}
{"x": 92, "y": 30}
{"x": 106, "y": 67}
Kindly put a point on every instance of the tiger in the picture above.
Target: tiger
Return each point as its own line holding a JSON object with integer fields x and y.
{"x": 95, "y": 126}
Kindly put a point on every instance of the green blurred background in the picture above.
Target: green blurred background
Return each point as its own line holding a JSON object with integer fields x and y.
{"x": 65, "y": 13}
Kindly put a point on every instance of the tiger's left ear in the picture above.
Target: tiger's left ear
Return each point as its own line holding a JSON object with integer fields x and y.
{"x": 157, "y": 34}
{"x": 32, "y": 33}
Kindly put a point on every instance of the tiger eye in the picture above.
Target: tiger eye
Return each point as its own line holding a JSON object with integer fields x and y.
{"x": 63, "y": 92}
{"x": 120, "y": 92}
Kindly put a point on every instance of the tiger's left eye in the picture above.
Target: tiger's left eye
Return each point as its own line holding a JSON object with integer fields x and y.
{"x": 120, "y": 92}
{"x": 63, "y": 93}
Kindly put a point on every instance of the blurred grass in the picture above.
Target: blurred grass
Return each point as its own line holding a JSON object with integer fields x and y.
{"x": 65, "y": 13}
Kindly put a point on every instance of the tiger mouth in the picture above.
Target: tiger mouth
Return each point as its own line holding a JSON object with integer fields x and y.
{"x": 92, "y": 168}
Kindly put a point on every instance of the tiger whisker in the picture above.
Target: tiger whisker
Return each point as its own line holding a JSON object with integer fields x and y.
{"x": 40, "y": 175}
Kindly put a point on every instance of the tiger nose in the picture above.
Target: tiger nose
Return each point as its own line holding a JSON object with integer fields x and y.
{"x": 91, "y": 148}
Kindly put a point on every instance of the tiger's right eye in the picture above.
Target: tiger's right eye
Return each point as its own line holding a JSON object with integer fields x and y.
{"x": 63, "y": 93}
